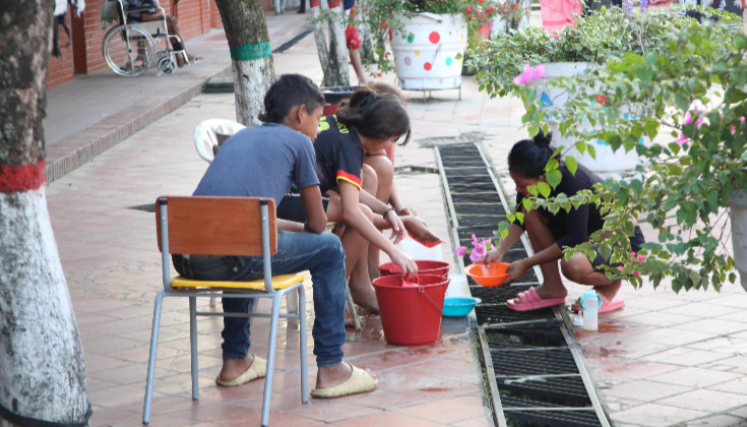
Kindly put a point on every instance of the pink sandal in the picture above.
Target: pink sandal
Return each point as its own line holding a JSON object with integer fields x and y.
{"x": 530, "y": 300}
{"x": 607, "y": 305}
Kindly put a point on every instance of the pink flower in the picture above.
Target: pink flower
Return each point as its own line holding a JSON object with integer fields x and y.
{"x": 733, "y": 129}
{"x": 689, "y": 119}
{"x": 632, "y": 254}
{"x": 475, "y": 242}
{"x": 461, "y": 251}
{"x": 636, "y": 273}
{"x": 530, "y": 74}
{"x": 641, "y": 258}
{"x": 682, "y": 140}
{"x": 620, "y": 267}
{"x": 478, "y": 253}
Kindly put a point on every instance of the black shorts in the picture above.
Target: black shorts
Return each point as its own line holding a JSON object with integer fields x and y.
{"x": 291, "y": 207}
{"x": 635, "y": 245}
{"x": 348, "y": 4}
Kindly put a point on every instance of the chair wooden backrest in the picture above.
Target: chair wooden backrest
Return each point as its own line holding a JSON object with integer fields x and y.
{"x": 216, "y": 225}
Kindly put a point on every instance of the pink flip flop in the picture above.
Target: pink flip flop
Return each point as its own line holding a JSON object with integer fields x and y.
{"x": 607, "y": 305}
{"x": 530, "y": 300}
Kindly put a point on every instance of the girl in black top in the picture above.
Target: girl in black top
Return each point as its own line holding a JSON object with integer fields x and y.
{"x": 550, "y": 233}
{"x": 366, "y": 124}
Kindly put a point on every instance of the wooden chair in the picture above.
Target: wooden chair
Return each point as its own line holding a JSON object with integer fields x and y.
{"x": 218, "y": 226}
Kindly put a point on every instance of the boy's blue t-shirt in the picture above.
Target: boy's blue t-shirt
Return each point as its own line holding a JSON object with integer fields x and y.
{"x": 261, "y": 161}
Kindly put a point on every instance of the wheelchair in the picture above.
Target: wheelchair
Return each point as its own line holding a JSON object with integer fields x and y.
{"x": 131, "y": 48}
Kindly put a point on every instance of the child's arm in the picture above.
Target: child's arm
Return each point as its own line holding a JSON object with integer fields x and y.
{"x": 392, "y": 219}
{"x": 354, "y": 218}
{"x": 316, "y": 219}
{"x": 285, "y": 225}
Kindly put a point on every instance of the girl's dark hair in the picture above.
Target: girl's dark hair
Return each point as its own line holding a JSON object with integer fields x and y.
{"x": 528, "y": 157}
{"x": 381, "y": 117}
{"x": 287, "y": 92}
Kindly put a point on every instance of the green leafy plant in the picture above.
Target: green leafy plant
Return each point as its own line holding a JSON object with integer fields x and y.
{"x": 689, "y": 90}
{"x": 606, "y": 35}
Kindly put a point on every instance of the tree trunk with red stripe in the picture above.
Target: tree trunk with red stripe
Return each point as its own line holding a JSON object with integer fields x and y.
{"x": 42, "y": 371}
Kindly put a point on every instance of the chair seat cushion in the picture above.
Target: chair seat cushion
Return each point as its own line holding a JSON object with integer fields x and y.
{"x": 278, "y": 282}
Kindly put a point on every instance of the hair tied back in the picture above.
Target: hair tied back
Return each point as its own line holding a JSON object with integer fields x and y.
{"x": 368, "y": 100}
{"x": 542, "y": 140}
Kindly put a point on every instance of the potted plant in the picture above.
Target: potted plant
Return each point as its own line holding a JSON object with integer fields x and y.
{"x": 694, "y": 177}
{"x": 606, "y": 35}
{"x": 427, "y": 39}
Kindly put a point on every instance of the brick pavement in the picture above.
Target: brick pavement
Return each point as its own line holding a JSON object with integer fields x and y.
{"x": 664, "y": 360}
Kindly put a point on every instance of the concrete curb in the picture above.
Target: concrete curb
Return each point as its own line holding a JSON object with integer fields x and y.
{"x": 79, "y": 148}
{"x": 72, "y": 152}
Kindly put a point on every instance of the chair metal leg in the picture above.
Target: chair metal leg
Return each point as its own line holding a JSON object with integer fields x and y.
{"x": 152, "y": 358}
{"x": 351, "y": 307}
{"x": 271, "y": 359}
{"x": 304, "y": 355}
{"x": 193, "y": 347}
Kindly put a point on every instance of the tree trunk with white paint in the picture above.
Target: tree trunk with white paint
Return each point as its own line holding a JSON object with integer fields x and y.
{"x": 338, "y": 48}
{"x": 249, "y": 42}
{"x": 42, "y": 370}
{"x": 366, "y": 49}
{"x": 321, "y": 44}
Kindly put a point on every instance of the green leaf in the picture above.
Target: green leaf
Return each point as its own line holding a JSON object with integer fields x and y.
{"x": 605, "y": 251}
{"x": 554, "y": 178}
{"x": 572, "y": 165}
{"x": 592, "y": 151}
{"x": 712, "y": 199}
{"x": 681, "y": 101}
{"x": 504, "y": 233}
{"x": 695, "y": 277}
{"x": 581, "y": 147}
{"x": 520, "y": 217}
{"x": 532, "y": 189}
{"x": 544, "y": 189}
{"x": 527, "y": 204}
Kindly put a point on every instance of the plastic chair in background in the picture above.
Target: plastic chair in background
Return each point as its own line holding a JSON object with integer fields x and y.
{"x": 209, "y": 135}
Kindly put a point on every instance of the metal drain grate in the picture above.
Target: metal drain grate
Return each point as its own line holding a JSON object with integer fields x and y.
{"x": 561, "y": 390}
{"x": 526, "y": 337}
{"x": 479, "y": 209}
{"x": 536, "y": 377}
{"x": 523, "y": 363}
{"x": 546, "y": 417}
{"x": 497, "y": 296}
{"x": 476, "y": 197}
{"x": 500, "y": 313}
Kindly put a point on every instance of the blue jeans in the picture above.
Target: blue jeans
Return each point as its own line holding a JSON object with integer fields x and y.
{"x": 321, "y": 254}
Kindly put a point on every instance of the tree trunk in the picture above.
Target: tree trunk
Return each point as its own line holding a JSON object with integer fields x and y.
{"x": 321, "y": 44}
{"x": 338, "y": 49}
{"x": 42, "y": 371}
{"x": 366, "y": 49}
{"x": 249, "y": 41}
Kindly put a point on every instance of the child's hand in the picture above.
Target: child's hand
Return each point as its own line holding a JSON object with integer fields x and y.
{"x": 398, "y": 228}
{"x": 493, "y": 256}
{"x": 407, "y": 212}
{"x": 419, "y": 229}
{"x": 408, "y": 266}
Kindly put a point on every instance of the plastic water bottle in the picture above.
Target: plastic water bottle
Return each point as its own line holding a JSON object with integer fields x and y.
{"x": 590, "y": 303}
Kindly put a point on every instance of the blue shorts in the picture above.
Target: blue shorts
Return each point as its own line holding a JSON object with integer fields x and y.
{"x": 348, "y": 4}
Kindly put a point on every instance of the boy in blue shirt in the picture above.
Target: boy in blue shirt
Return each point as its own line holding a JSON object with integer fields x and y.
{"x": 265, "y": 161}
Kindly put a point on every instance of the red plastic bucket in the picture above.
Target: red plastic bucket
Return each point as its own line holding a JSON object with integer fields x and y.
{"x": 411, "y": 315}
{"x": 425, "y": 268}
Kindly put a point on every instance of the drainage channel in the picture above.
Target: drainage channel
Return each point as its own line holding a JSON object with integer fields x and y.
{"x": 535, "y": 368}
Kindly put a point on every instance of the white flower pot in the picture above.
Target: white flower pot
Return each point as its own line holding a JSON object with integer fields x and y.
{"x": 738, "y": 206}
{"x": 428, "y": 54}
{"x": 607, "y": 163}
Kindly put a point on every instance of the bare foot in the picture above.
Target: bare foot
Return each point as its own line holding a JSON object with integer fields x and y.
{"x": 333, "y": 375}
{"x": 546, "y": 291}
{"x": 364, "y": 296}
{"x": 232, "y": 369}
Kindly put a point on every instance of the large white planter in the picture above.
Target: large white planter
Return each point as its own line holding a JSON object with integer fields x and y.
{"x": 738, "y": 206}
{"x": 428, "y": 54}
{"x": 607, "y": 163}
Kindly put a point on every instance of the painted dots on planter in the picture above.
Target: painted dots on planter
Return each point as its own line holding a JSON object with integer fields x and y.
{"x": 408, "y": 61}
{"x": 417, "y": 53}
{"x": 410, "y": 38}
{"x": 448, "y": 60}
{"x": 428, "y": 66}
{"x": 434, "y": 37}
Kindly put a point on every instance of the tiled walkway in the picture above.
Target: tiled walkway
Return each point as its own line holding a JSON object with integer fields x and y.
{"x": 664, "y": 360}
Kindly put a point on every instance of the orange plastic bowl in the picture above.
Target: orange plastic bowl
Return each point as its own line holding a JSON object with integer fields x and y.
{"x": 488, "y": 276}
